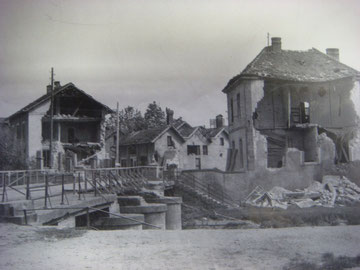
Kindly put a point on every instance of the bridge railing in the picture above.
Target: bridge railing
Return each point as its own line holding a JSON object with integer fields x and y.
{"x": 24, "y": 182}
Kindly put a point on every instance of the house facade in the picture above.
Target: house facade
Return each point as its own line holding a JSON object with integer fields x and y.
{"x": 156, "y": 146}
{"x": 176, "y": 145}
{"x": 293, "y": 105}
{"x": 78, "y": 122}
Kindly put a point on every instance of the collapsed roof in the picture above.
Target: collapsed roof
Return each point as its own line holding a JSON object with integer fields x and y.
{"x": 47, "y": 97}
{"x": 299, "y": 66}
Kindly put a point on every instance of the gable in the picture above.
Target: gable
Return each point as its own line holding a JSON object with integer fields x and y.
{"x": 68, "y": 90}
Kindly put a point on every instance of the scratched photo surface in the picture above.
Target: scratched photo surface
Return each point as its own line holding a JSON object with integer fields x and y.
{"x": 219, "y": 134}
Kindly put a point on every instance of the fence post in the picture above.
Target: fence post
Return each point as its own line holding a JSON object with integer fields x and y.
{"x": 25, "y": 217}
{"x": 46, "y": 189}
{"x": 4, "y": 187}
{"x": 28, "y": 188}
{"x": 87, "y": 218}
{"x": 62, "y": 188}
{"x": 79, "y": 186}
{"x": 74, "y": 181}
{"x": 85, "y": 181}
{"x": 94, "y": 183}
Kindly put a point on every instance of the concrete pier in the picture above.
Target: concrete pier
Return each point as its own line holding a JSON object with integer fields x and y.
{"x": 173, "y": 213}
{"x": 154, "y": 214}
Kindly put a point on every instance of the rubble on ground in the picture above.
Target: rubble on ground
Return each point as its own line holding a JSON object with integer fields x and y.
{"x": 333, "y": 191}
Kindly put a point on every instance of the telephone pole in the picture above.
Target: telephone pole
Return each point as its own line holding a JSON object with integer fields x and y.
{"x": 117, "y": 134}
{"x": 51, "y": 119}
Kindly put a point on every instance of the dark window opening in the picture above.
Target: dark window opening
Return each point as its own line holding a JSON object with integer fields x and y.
{"x": 301, "y": 114}
{"x": 305, "y": 112}
{"x": 132, "y": 150}
{"x": 46, "y": 158}
{"x": 205, "y": 150}
{"x": 143, "y": 160}
{"x": 232, "y": 110}
{"x": 193, "y": 150}
{"x": 170, "y": 141}
{"x": 221, "y": 141}
{"x": 123, "y": 163}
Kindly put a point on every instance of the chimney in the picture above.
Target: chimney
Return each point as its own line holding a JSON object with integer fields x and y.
{"x": 169, "y": 116}
{"x": 219, "y": 121}
{"x": 57, "y": 84}
{"x": 48, "y": 89}
{"x": 333, "y": 52}
{"x": 276, "y": 44}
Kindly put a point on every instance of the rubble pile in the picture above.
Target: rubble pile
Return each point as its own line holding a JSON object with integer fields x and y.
{"x": 333, "y": 191}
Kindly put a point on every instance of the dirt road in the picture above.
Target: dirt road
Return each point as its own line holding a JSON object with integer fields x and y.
{"x": 44, "y": 248}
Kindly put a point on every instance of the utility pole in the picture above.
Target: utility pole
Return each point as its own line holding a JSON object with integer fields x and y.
{"x": 117, "y": 134}
{"x": 268, "y": 39}
{"x": 51, "y": 118}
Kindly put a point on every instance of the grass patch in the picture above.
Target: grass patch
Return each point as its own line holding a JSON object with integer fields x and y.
{"x": 328, "y": 262}
{"x": 297, "y": 217}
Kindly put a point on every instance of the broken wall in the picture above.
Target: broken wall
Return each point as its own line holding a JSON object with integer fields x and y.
{"x": 243, "y": 99}
{"x": 239, "y": 184}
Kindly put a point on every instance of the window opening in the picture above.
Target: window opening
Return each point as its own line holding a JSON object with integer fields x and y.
{"x": 205, "y": 150}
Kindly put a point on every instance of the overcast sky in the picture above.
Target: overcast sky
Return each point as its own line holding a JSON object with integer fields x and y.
{"x": 179, "y": 53}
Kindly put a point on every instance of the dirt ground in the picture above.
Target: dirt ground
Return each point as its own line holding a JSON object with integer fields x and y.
{"x": 25, "y": 247}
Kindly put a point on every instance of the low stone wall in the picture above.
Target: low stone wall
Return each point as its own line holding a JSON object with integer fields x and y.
{"x": 295, "y": 175}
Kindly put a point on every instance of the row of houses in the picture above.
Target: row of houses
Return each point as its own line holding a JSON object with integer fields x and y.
{"x": 79, "y": 136}
{"x": 288, "y": 111}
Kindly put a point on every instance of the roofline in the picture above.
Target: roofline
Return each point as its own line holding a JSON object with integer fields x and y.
{"x": 164, "y": 131}
{"x": 47, "y": 97}
{"x": 241, "y": 76}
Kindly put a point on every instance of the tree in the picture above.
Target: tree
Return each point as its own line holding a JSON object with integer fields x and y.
{"x": 11, "y": 156}
{"x": 154, "y": 116}
{"x": 130, "y": 119}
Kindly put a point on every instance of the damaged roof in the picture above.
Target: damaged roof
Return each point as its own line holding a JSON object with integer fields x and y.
{"x": 146, "y": 135}
{"x": 301, "y": 66}
{"x": 47, "y": 97}
{"x": 186, "y": 130}
{"x": 212, "y": 132}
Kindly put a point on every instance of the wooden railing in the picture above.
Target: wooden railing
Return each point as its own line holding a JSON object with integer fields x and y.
{"x": 99, "y": 181}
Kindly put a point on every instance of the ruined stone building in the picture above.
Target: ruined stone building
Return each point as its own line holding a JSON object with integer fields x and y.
{"x": 292, "y": 109}
{"x": 176, "y": 145}
{"x": 78, "y": 128}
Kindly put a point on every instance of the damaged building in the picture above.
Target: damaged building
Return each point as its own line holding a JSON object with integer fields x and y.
{"x": 291, "y": 107}
{"x": 78, "y": 133}
{"x": 175, "y": 145}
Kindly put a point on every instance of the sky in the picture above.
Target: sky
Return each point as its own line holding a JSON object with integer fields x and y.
{"x": 178, "y": 53}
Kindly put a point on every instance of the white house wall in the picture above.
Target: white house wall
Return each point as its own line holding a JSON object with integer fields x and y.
{"x": 35, "y": 129}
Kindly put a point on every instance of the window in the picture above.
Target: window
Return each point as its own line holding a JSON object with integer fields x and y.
{"x": 193, "y": 150}
{"x": 221, "y": 141}
{"x": 205, "y": 150}
{"x": 132, "y": 150}
{"x": 233, "y": 145}
{"x": 232, "y": 110}
{"x": 238, "y": 105}
{"x": 123, "y": 163}
{"x": 170, "y": 141}
{"x": 46, "y": 158}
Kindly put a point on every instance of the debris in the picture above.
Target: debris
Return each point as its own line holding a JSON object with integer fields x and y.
{"x": 333, "y": 191}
